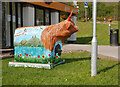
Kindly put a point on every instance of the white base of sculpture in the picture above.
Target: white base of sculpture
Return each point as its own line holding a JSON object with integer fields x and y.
{"x": 36, "y": 65}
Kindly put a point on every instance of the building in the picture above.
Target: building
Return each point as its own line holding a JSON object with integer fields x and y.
{"x": 21, "y": 14}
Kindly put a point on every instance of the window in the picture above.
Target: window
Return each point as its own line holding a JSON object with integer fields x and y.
{"x": 42, "y": 16}
{"x": 46, "y": 17}
{"x": 19, "y": 14}
{"x": 39, "y": 17}
{"x": 13, "y": 17}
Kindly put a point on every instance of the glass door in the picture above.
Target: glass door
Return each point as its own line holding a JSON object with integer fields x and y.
{"x": 8, "y": 20}
{"x": 46, "y": 17}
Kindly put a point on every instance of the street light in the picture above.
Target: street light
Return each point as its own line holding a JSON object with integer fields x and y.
{"x": 74, "y": 3}
{"x": 94, "y": 43}
{"x": 78, "y": 8}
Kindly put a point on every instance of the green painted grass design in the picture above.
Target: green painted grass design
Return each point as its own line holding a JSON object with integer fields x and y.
{"x": 37, "y": 60}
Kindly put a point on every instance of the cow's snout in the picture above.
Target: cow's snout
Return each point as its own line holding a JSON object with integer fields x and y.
{"x": 76, "y": 28}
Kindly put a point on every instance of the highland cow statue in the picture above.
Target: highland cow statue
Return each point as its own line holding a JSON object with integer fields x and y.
{"x": 41, "y": 44}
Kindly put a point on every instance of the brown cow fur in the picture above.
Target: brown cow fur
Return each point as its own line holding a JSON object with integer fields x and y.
{"x": 57, "y": 32}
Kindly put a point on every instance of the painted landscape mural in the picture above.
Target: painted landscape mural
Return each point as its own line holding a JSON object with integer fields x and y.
{"x": 29, "y": 48}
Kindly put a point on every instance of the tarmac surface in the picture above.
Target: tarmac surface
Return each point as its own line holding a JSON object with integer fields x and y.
{"x": 104, "y": 51}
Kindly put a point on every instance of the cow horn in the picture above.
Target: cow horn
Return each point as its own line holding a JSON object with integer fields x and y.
{"x": 70, "y": 16}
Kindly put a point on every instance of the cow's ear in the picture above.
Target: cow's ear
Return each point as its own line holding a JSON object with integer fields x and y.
{"x": 67, "y": 25}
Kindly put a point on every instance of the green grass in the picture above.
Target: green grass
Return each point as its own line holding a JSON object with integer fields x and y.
{"x": 85, "y": 33}
{"x": 114, "y": 21}
{"x": 76, "y": 71}
{"x": 0, "y": 73}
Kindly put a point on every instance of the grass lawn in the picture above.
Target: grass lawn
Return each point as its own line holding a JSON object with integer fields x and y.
{"x": 76, "y": 71}
{"x": 85, "y": 33}
{"x": 113, "y": 21}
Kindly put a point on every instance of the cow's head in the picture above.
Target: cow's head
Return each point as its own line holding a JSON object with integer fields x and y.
{"x": 67, "y": 27}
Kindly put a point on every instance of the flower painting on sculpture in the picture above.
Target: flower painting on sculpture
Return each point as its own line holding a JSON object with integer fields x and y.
{"x": 29, "y": 47}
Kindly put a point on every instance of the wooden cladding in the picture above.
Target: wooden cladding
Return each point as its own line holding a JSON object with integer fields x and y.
{"x": 55, "y": 5}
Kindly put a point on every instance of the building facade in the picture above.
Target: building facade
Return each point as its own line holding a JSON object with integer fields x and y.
{"x": 22, "y": 14}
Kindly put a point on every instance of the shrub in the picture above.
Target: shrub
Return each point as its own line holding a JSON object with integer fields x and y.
{"x": 83, "y": 19}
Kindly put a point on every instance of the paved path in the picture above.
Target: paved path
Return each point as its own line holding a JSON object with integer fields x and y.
{"x": 107, "y": 51}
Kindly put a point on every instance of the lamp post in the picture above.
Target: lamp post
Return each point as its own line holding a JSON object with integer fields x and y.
{"x": 78, "y": 8}
{"x": 74, "y": 3}
{"x": 94, "y": 43}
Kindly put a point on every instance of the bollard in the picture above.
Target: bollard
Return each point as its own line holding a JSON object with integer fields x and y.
{"x": 109, "y": 28}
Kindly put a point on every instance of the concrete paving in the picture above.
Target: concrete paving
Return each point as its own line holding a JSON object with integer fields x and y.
{"x": 104, "y": 50}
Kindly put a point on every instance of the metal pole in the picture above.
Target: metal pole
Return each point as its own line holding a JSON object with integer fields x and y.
{"x": 94, "y": 43}
{"x": 86, "y": 14}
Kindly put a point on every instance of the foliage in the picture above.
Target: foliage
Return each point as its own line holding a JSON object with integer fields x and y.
{"x": 83, "y": 19}
{"x": 81, "y": 9}
{"x": 100, "y": 18}
{"x": 63, "y": 16}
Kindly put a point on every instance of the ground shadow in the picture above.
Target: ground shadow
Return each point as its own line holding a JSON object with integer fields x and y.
{"x": 69, "y": 60}
{"x": 83, "y": 40}
{"x": 108, "y": 68}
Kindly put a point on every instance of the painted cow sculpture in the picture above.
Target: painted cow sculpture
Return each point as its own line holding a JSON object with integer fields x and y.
{"x": 42, "y": 44}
